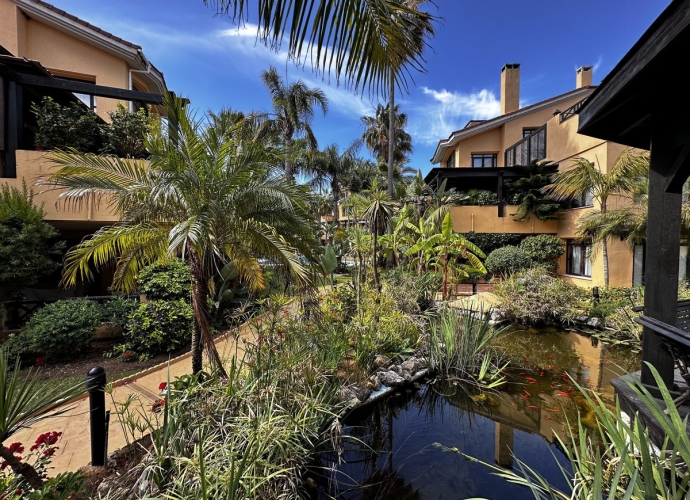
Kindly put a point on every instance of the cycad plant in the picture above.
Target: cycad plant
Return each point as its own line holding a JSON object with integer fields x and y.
{"x": 201, "y": 197}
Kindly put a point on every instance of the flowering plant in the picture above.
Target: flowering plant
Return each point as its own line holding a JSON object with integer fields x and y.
{"x": 38, "y": 458}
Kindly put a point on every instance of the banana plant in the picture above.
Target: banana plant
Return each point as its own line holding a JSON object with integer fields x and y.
{"x": 329, "y": 262}
{"x": 394, "y": 242}
{"x": 447, "y": 245}
{"x": 421, "y": 232}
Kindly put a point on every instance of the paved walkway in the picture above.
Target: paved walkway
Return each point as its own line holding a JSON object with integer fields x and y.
{"x": 74, "y": 446}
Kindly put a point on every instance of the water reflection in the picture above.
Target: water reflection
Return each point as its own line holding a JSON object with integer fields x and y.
{"x": 390, "y": 453}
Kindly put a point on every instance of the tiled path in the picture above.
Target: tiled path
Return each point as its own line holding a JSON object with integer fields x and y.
{"x": 75, "y": 451}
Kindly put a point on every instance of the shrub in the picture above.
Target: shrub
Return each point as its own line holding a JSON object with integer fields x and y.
{"x": 535, "y": 296}
{"x": 169, "y": 280}
{"x": 124, "y": 135}
{"x": 405, "y": 287}
{"x": 62, "y": 329}
{"x": 28, "y": 245}
{"x": 118, "y": 310}
{"x": 488, "y": 242}
{"x": 480, "y": 197}
{"x": 507, "y": 260}
{"x": 544, "y": 249}
{"x": 158, "y": 326}
{"x": 63, "y": 127}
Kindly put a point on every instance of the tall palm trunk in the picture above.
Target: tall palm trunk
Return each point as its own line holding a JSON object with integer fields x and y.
{"x": 336, "y": 198}
{"x": 391, "y": 134}
{"x": 197, "y": 348}
{"x": 288, "y": 160}
{"x": 374, "y": 257}
{"x": 605, "y": 249}
{"x": 200, "y": 296}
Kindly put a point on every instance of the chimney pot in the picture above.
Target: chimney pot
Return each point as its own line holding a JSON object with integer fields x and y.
{"x": 584, "y": 76}
{"x": 510, "y": 88}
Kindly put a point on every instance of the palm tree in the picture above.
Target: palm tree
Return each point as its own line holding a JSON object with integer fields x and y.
{"x": 332, "y": 169}
{"x": 380, "y": 209}
{"x": 293, "y": 111}
{"x": 376, "y": 136}
{"x": 361, "y": 40}
{"x": 585, "y": 179}
{"x": 201, "y": 197}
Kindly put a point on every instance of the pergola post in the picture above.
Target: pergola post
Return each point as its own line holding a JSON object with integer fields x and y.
{"x": 662, "y": 253}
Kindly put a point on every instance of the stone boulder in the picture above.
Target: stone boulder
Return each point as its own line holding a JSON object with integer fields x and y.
{"x": 391, "y": 379}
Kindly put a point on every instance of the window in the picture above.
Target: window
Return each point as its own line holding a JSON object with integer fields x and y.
{"x": 450, "y": 163}
{"x": 578, "y": 258}
{"x": 484, "y": 160}
{"x": 527, "y": 131}
{"x": 584, "y": 200}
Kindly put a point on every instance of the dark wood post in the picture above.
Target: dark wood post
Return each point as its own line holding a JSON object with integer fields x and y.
{"x": 663, "y": 249}
{"x": 15, "y": 124}
{"x": 499, "y": 192}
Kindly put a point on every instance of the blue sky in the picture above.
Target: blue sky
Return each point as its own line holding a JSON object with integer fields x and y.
{"x": 216, "y": 64}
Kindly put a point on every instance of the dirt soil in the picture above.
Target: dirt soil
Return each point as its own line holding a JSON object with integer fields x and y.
{"x": 94, "y": 357}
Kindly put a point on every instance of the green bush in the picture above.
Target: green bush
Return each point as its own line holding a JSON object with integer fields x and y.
{"x": 480, "y": 197}
{"x": 544, "y": 249}
{"x": 168, "y": 280}
{"x": 62, "y": 329}
{"x": 158, "y": 326}
{"x": 63, "y": 127}
{"x": 507, "y": 260}
{"x": 488, "y": 242}
{"x": 535, "y": 296}
{"x": 28, "y": 246}
{"x": 124, "y": 135}
{"x": 118, "y": 310}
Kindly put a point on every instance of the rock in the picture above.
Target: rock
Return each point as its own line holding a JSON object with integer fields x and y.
{"x": 346, "y": 394}
{"x": 581, "y": 319}
{"x": 413, "y": 365}
{"x": 362, "y": 393}
{"x": 391, "y": 379}
{"x": 594, "y": 322}
{"x": 381, "y": 361}
{"x": 396, "y": 369}
{"x": 373, "y": 383}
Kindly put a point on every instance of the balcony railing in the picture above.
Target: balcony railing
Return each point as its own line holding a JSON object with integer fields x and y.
{"x": 531, "y": 148}
{"x": 572, "y": 110}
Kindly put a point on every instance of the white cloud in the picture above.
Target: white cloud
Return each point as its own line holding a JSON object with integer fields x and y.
{"x": 449, "y": 111}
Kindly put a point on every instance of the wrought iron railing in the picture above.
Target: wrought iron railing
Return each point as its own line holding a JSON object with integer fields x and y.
{"x": 531, "y": 148}
{"x": 572, "y": 110}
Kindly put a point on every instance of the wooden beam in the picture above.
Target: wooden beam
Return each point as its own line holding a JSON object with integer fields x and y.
{"x": 88, "y": 88}
{"x": 15, "y": 125}
{"x": 662, "y": 253}
{"x": 680, "y": 170}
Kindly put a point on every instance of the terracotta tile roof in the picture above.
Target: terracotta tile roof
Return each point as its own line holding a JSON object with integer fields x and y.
{"x": 86, "y": 24}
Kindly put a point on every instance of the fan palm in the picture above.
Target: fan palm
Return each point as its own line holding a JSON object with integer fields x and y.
{"x": 361, "y": 40}
{"x": 331, "y": 168}
{"x": 293, "y": 111}
{"x": 376, "y": 134}
{"x": 585, "y": 178}
{"x": 201, "y": 197}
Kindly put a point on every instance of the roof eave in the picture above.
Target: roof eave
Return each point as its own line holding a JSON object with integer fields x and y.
{"x": 500, "y": 120}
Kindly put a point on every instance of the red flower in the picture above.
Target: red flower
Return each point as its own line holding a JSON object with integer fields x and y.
{"x": 127, "y": 354}
{"x": 4, "y": 465}
{"x": 16, "y": 448}
{"x": 157, "y": 405}
{"x": 39, "y": 360}
{"x": 49, "y": 452}
{"x": 162, "y": 386}
{"x": 47, "y": 439}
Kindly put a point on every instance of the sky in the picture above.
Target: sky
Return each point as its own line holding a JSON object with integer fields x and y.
{"x": 218, "y": 64}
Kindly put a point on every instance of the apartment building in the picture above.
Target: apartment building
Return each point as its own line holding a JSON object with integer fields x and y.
{"x": 484, "y": 154}
{"x": 45, "y": 51}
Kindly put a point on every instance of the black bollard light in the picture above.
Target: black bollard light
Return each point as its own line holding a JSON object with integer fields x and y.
{"x": 95, "y": 385}
{"x": 595, "y": 294}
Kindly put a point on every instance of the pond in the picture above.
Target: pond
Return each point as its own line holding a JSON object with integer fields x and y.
{"x": 398, "y": 449}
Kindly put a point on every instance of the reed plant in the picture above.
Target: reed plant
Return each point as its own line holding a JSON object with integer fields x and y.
{"x": 460, "y": 347}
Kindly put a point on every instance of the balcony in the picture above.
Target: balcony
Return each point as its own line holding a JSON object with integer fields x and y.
{"x": 484, "y": 219}
{"x": 531, "y": 148}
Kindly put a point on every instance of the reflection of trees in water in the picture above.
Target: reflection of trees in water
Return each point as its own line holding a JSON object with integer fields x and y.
{"x": 372, "y": 470}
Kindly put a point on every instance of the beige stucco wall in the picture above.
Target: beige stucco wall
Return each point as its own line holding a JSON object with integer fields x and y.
{"x": 33, "y": 166}
{"x": 56, "y": 50}
{"x": 498, "y": 139}
{"x": 485, "y": 219}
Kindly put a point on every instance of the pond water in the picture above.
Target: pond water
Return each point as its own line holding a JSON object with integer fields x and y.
{"x": 398, "y": 449}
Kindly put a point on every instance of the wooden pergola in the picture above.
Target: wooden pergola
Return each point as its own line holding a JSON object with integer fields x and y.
{"x": 645, "y": 103}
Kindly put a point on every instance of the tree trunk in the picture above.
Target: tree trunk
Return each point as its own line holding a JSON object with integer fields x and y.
{"x": 288, "y": 161}
{"x": 391, "y": 133}
{"x": 605, "y": 250}
{"x": 21, "y": 468}
{"x": 197, "y": 349}
{"x": 375, "y": 263}
{"x": 200, "y": 295}
{"x": 336, "y": 196}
